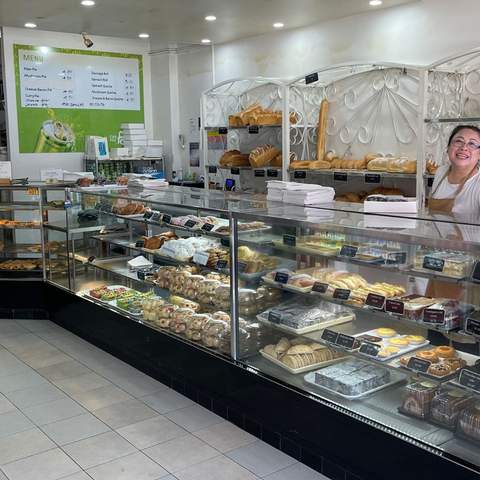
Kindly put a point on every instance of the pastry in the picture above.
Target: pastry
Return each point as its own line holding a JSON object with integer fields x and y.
{"x": 282, "y": 346}
{"x": 415, "y": 339}
{"x": 399, "y": 342}
{"x": 385, "y": 332}
{"x": 445, "y": 351}
{"x": 418, "y": 398}
{"x": 448, "y": 404}
{"x": 388, "y": 351}
{"x": 439, "y": 369}
{"x": 429, "y": 355}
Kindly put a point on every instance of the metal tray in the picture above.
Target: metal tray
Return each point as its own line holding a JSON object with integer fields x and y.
{"x": 296, "y": 371}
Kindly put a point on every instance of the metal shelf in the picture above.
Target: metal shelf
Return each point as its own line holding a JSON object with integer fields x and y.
{"x": 452, "y": 120}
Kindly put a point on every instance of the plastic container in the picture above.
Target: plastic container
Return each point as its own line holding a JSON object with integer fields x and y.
{"x": 469, "y": 422}
{"x": 448, "y": 404}
{"x": 418, "y": 398}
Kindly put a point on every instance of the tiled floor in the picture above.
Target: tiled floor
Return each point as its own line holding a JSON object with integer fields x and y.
{"x": 70, "y": 411}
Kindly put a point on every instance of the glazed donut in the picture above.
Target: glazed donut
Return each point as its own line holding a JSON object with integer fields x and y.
{"x": 429, "y": 355}
{"x": 445, "y": 351}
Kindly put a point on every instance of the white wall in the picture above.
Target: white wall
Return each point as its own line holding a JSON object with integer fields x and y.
{"x": 30, "y": 164}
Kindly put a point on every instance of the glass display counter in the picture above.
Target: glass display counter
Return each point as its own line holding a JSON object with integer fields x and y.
{"x": 374, "y": 316}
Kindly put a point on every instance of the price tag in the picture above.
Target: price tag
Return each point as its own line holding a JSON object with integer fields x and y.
{"x": 320, "y": 287}
{"x": 370, "y": 349}
{"x": 299, "y": 174}
{"x": 190, "y": 223}
{"x": 148, "y": 215}
{"x": 253, "y": 129}
{"x": 223, "y": 130}
{"x": 235, "y": 171}
{"x": 168, "y": 251}
{"x": 395, "y": 306}
{"x": 225, "y": 241}
{"x": 396, "y": 258}
{"x": 6, "y": 170}
{"x": 141, "y": 274}
{"x": 375, "y": 301}
{"x": 201, "y": 258}
{"x": 433, "y": 263}
{"x": 212, "y": 169}
{"x": 476, "y": 272}
{"x": 281, "y": 277}
{"x": 221, "y": 264}
{"x": 290, "y": 240}
{"x": 242, "y": 266}
{"x": 140, "y": 243}
{"x": 340, "y": 177}
{"x": 346, "y": 341}
{"x": 274, "y": 317}
{"x": 329, "y": 336}
{"x": 372, "y": 178}
{"x": 166, "y": 218}
{"x": 156, "y": 217}
{"x": 434, "y": 315}
{"x": 341, "y": 294}
{"x": 259, "y": 173}
{"x": 418, "y": 364}
{"x": 472, "y": 326}
{"x": 272, "y": 173}
{"x": 348, "y": 251}
{"x": 312, "y": 78}
{"x": 430, "y": 182}
{"x": 470, "y": 379}
{"x": 207, "y": 227}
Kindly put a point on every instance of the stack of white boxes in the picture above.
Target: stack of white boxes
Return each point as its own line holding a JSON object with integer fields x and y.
{"x": 134, "y": 137}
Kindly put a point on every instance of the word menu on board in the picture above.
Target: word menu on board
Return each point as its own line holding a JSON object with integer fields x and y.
{"x": 52, "y": 79}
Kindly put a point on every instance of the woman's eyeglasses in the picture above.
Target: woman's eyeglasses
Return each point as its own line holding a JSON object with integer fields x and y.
{"x": 459, "y": 143}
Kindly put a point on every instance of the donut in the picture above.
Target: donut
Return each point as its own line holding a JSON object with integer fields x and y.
{"x": 415, "y": 339}
{"x": 429, "y": 355}
{"x": 445, "y": 351}
{"x": 385, "y": 332}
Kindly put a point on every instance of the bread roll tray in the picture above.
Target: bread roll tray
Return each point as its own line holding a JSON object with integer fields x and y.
{"x": 112, "y": 303}
{"x": 312, "y": 328}
{"x": 395, "y": 377}
{"x": 295, "y": 371}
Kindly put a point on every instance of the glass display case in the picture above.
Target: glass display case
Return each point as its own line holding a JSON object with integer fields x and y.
{"x": 161, "y": 258}
{"x": 374, "y": 316}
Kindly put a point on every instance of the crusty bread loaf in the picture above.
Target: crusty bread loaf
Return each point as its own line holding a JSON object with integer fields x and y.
{"x": 263, "y": 155}
{"x": 246, "y": 114}
{"x": 402, "y": 165}
{"x": 235, "y": 121}
{"x": 379, "y": 164}
{"x": 319, "y": 165}
{"x": 274, "y": 118}
{"x": 322, "y": 129}
{"x": 300, "y": 164}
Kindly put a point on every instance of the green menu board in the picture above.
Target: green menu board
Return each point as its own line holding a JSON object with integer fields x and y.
{"x": 64, "y": 95}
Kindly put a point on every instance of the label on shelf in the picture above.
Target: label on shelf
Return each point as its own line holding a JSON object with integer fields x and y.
{"x": 470, "y": 379}
{"x": 329, "y": 336}
{"x": 476, "y": 272}
{"x": 430, "y": 182}
{"x": 395, "y": 306}
{"x": 312, "y": 78}
{"x": 345, "y": 341}
{"x": 348, "y": 251}
{"x": 156, "y": 217}
{"x": 253, "y": 129}
{"x": 281, "y": 277}
{"x": 340, "y": 177}
{"x": 341, "y": 294}
{"x": 140, "y": 243}
{"x": 201, "y": 258}
{"x": 148, "y": 215}
{"x": 434, "y": 315}
{"x": 272, "y": 173}
{"x": 208, "y": 227}
{"x": 375, "y": 301}
{"x": 190, "y": 223}
{"x": 372, "y": 178}
{"x": 223, "y": 130}
{"x": 274, "y": 317}
{"x": 221, "y": 264}
{"x": 418, "y": 364}
{"x": 433, "y": 263}
{"x": 370, "y": 349}
{"x": 166, "y": 218}
{"x": 225, "y": 241}
{"x": 235, "y": 171}
{"x": 472, "y": 326}
{"x": 259, "y": 173}
{"x": 299, "y": 174}
{"x": 320, "y": 287}
{"x": 290, "y": 240}
{"x": 242, "y": 266}
{"x": 394, "y": 258}
{"x": 212, "y": 169}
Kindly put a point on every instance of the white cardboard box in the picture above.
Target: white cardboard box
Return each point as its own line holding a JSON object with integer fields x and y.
{"x": 410, "y": 206}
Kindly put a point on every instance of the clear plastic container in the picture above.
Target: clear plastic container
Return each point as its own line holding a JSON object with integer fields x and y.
{"x": 469, "y": 422}
{"x": 447, "y": 405}
{"x": 418, "y": 398}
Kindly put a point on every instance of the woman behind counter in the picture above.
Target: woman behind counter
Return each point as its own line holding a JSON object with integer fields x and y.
{"x": 456, "y": 187}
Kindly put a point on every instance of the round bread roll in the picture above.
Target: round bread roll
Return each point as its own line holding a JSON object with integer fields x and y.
{"x": 329, "y": 156}
{"x": 300, "y": 164}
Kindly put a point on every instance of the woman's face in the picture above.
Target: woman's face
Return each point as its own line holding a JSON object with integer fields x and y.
{"x": 464, "y": 149}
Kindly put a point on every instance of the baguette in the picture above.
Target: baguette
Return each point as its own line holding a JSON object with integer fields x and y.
{"x": 319, "y": 165}
{"x": 274, "y": 118}
{"x": 262, "y": 156}
{"x": 322, "y": 129}
{"x": 300, "y": 164}
{"x": 403, "y": 165}
{"x": 379, "y": 164}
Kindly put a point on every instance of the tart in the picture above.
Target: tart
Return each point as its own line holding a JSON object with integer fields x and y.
{"x": 385, "y": 332}
{"x": 415, "y": 339}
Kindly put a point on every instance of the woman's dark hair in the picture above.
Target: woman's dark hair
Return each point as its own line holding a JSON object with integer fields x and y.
{"x": 462, "y": 127}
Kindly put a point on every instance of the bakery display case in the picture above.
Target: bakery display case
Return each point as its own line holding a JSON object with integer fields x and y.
{"x": 158, "y": 258}
{"x": 356, "y": 129}
{"x": 377, "y": 317}
{"x": 242, "y": 122}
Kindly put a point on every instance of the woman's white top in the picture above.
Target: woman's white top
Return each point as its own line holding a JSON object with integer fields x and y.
{"x": 467, "y": 201}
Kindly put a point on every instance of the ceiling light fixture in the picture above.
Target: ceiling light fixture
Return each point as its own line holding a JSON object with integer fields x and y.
{"x": 144, "y": 35}
{"x": 206, "y": 40}
{"x": 375, "y": 3}
{"x": 30, "y": 25}
{"x": 87, "y": 3}
{"x": 210, "y": 18}
{"x": 278, "y": 25}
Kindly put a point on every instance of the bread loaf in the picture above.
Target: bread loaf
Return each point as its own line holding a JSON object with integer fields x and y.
{"x": 322, "y": 129}
{"x": 262, "y": 156}
{"x": 402, "y": 165}
{"x": 274, "y": 118}
{"x": 235, "y": 121}
{"x": 300, "y": 164}
{"x": 329, "y": 156}
{"x": 379, "y": 164}
{"x": 319, "y": 165}
{"x": 249, "y": 112}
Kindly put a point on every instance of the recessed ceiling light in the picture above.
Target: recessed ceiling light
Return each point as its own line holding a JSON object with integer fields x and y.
{"x": 87, "y": 3}
{"x": 206, "y": 40}
{"x": 30, "y": 25}
{"x": 278, "y": 25}
{"x": 375, "y": 3}
{"x": 210, "y": 18}
{"x": 143, "y": 35}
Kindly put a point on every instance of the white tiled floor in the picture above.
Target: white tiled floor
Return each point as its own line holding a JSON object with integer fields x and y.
{"x": 70, "y": 411}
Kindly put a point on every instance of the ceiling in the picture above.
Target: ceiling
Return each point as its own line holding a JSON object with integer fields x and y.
{"x": 178, "y": 21}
